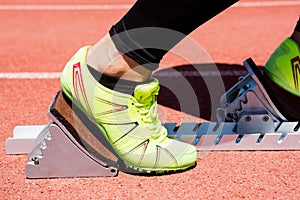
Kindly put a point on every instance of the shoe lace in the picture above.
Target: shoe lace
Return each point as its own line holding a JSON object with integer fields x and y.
{"x": 149, "y": 114}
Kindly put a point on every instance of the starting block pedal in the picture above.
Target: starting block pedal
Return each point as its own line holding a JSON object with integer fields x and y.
{"x": 72, "y": 146}
{"x": 248, "y": 119}
{"x": 58, "y": 155}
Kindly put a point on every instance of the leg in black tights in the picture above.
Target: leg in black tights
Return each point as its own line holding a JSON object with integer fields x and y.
{"x": 176, "y": 15}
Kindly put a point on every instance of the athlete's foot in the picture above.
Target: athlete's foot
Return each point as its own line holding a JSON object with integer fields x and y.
{"x": 283, "y": 72}
{"x": 283, "y": 66}
{"x": 129, "y": 122}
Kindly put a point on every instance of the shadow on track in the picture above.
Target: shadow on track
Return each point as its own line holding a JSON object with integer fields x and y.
{"x": 202, "y": 103}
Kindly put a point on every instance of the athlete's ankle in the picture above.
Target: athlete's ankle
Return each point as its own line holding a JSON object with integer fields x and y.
{"x": 125, "y": 68}
{"x": 105, "y": 58}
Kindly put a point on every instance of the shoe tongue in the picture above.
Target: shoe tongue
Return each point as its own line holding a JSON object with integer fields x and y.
{"x": 145, "y": 93}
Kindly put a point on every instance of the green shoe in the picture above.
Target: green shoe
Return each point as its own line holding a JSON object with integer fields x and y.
{"x": 130, "y": 123}
{"x": 283, "y": 67}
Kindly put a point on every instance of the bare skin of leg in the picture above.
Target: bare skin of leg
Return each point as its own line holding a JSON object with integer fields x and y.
{"x": 105, "y": 58}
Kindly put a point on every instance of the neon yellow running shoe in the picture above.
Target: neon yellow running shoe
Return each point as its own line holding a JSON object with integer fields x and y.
{"x": 130, "y": 123}
{"x": 283, "y": 67}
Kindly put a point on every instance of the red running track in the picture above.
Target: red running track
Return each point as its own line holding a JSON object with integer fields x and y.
{"x": 42, "y": 41}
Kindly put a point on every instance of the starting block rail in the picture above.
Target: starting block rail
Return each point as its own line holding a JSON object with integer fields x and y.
{"x": 204, "y": 138}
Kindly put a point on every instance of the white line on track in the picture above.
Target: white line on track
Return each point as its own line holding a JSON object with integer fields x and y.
{"x": 267, "y": 3}
{"x": 56, "y": 75}
{"x": 66, "y": 7}
{"x": 30, "y": 75}
{"x": 127, "y": 6}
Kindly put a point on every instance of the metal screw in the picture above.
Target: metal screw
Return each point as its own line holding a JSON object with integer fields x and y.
{"x": 248, "y": 119}
{"x": 35, "y": 161}
{"x": 265, "y": 118}
{"x": 229, "y": 115}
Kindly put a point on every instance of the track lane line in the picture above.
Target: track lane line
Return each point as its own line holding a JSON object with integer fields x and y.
{"x": 66, "y": 7}
{"x": 30, "y": 75}
{"x": 266, "y": 3}
{"x": 128, "y": 6}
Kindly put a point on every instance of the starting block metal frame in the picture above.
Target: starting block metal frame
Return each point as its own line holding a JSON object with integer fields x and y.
{"x": 247, "y": 120}
{"x": 58, "y": 155}
{"x": 59, "y": 151}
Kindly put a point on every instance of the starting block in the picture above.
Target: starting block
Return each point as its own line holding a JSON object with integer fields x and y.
{"x": 60, "y": 151}
{"x": 71, "y": 145}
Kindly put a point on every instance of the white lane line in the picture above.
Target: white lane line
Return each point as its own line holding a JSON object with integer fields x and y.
{"x": 66, "y": 7}
{"x": 127, "y": 6}
{"x": 267, "y": 3}
{"x": 30, "y": 75}
{"x": 166, "y": 74}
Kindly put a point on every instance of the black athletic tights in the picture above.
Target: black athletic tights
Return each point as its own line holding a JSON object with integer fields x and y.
{"x": 134, "y": 36}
